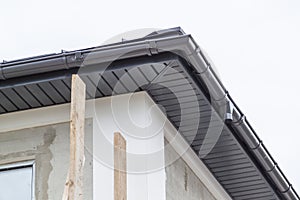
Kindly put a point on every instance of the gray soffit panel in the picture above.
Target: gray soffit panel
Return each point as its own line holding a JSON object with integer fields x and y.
{"x": 171, "y": 67}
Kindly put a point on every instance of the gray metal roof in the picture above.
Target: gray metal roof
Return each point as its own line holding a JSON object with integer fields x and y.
{"x": 170, "y": 66}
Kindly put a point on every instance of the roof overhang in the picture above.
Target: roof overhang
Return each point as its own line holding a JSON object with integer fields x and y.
{"x": 171, "y": 67}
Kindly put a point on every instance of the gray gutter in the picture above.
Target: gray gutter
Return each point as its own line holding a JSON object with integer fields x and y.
{"x": 69, "y": 60}
{"x": 240, "y": 124}
{"x": 183, "y": 45}
{"x": 74, "y": 59}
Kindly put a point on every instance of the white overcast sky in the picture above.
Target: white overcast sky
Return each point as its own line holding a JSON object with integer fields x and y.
{"x": 254, "y": 44}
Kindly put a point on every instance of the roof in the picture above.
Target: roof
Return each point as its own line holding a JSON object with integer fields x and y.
{"x": 172, "y": 68}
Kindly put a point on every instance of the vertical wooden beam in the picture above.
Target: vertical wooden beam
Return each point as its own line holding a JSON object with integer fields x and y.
{"x": 74, "y": 184}
{"x": 120, "y": 168}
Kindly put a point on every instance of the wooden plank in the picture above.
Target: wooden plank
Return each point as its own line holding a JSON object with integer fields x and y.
{"x": 120, "y": 168}
{"x": 74, "y": 184}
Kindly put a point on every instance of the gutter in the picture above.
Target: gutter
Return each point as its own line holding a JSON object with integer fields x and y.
{"x": 75, "y": 59}
{"x": 236, "y": 119}
{"x": 185, "y": 46}
{"x": 69, "y": 60}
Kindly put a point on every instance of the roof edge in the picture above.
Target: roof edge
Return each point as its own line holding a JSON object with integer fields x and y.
{"x": 183, "y": 45}
{"x": 241, "y": 125}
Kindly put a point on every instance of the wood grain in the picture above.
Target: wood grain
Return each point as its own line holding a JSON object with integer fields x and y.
{"x": 74, "y": 183}
{"x": 120, "y": 167}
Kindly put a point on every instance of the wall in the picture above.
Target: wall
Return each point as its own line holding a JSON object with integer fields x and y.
{"x": 32, "y": 134}
{"x": 132, "y": 115}
{"x": 48, "y": 146}
{"x": 181, "y": 181}
{"x": 135, "y": 118}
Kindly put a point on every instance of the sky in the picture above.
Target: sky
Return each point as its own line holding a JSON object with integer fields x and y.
{"x": 253, "y": 43}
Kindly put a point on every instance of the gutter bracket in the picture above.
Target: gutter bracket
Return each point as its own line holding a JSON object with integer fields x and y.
{"x": 76, "y": 60}
{"x": 289, "y": 188}
{"x": 153, "y": 47}
{"x": 2, "y": 77}
{"x": 78, "y": 56}
{"x": 66, "y": 62}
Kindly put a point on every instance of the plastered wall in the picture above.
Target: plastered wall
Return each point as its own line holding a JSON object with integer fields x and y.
{"x": 181, "y": 181}
{"x": 48, "y": 146}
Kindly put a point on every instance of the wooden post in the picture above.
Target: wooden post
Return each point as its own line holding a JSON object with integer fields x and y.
{"x": 120, "y": 174}
{"x": 74, "y": 183}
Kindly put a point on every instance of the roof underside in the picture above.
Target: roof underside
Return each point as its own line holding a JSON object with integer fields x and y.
{"x": 184, "y": 99}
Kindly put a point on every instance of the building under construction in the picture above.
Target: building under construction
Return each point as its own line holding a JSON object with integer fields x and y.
{"x": 140, "y": 119}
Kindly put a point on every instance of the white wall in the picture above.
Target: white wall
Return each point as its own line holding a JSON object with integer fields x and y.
{"x": 133, "y": 116}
